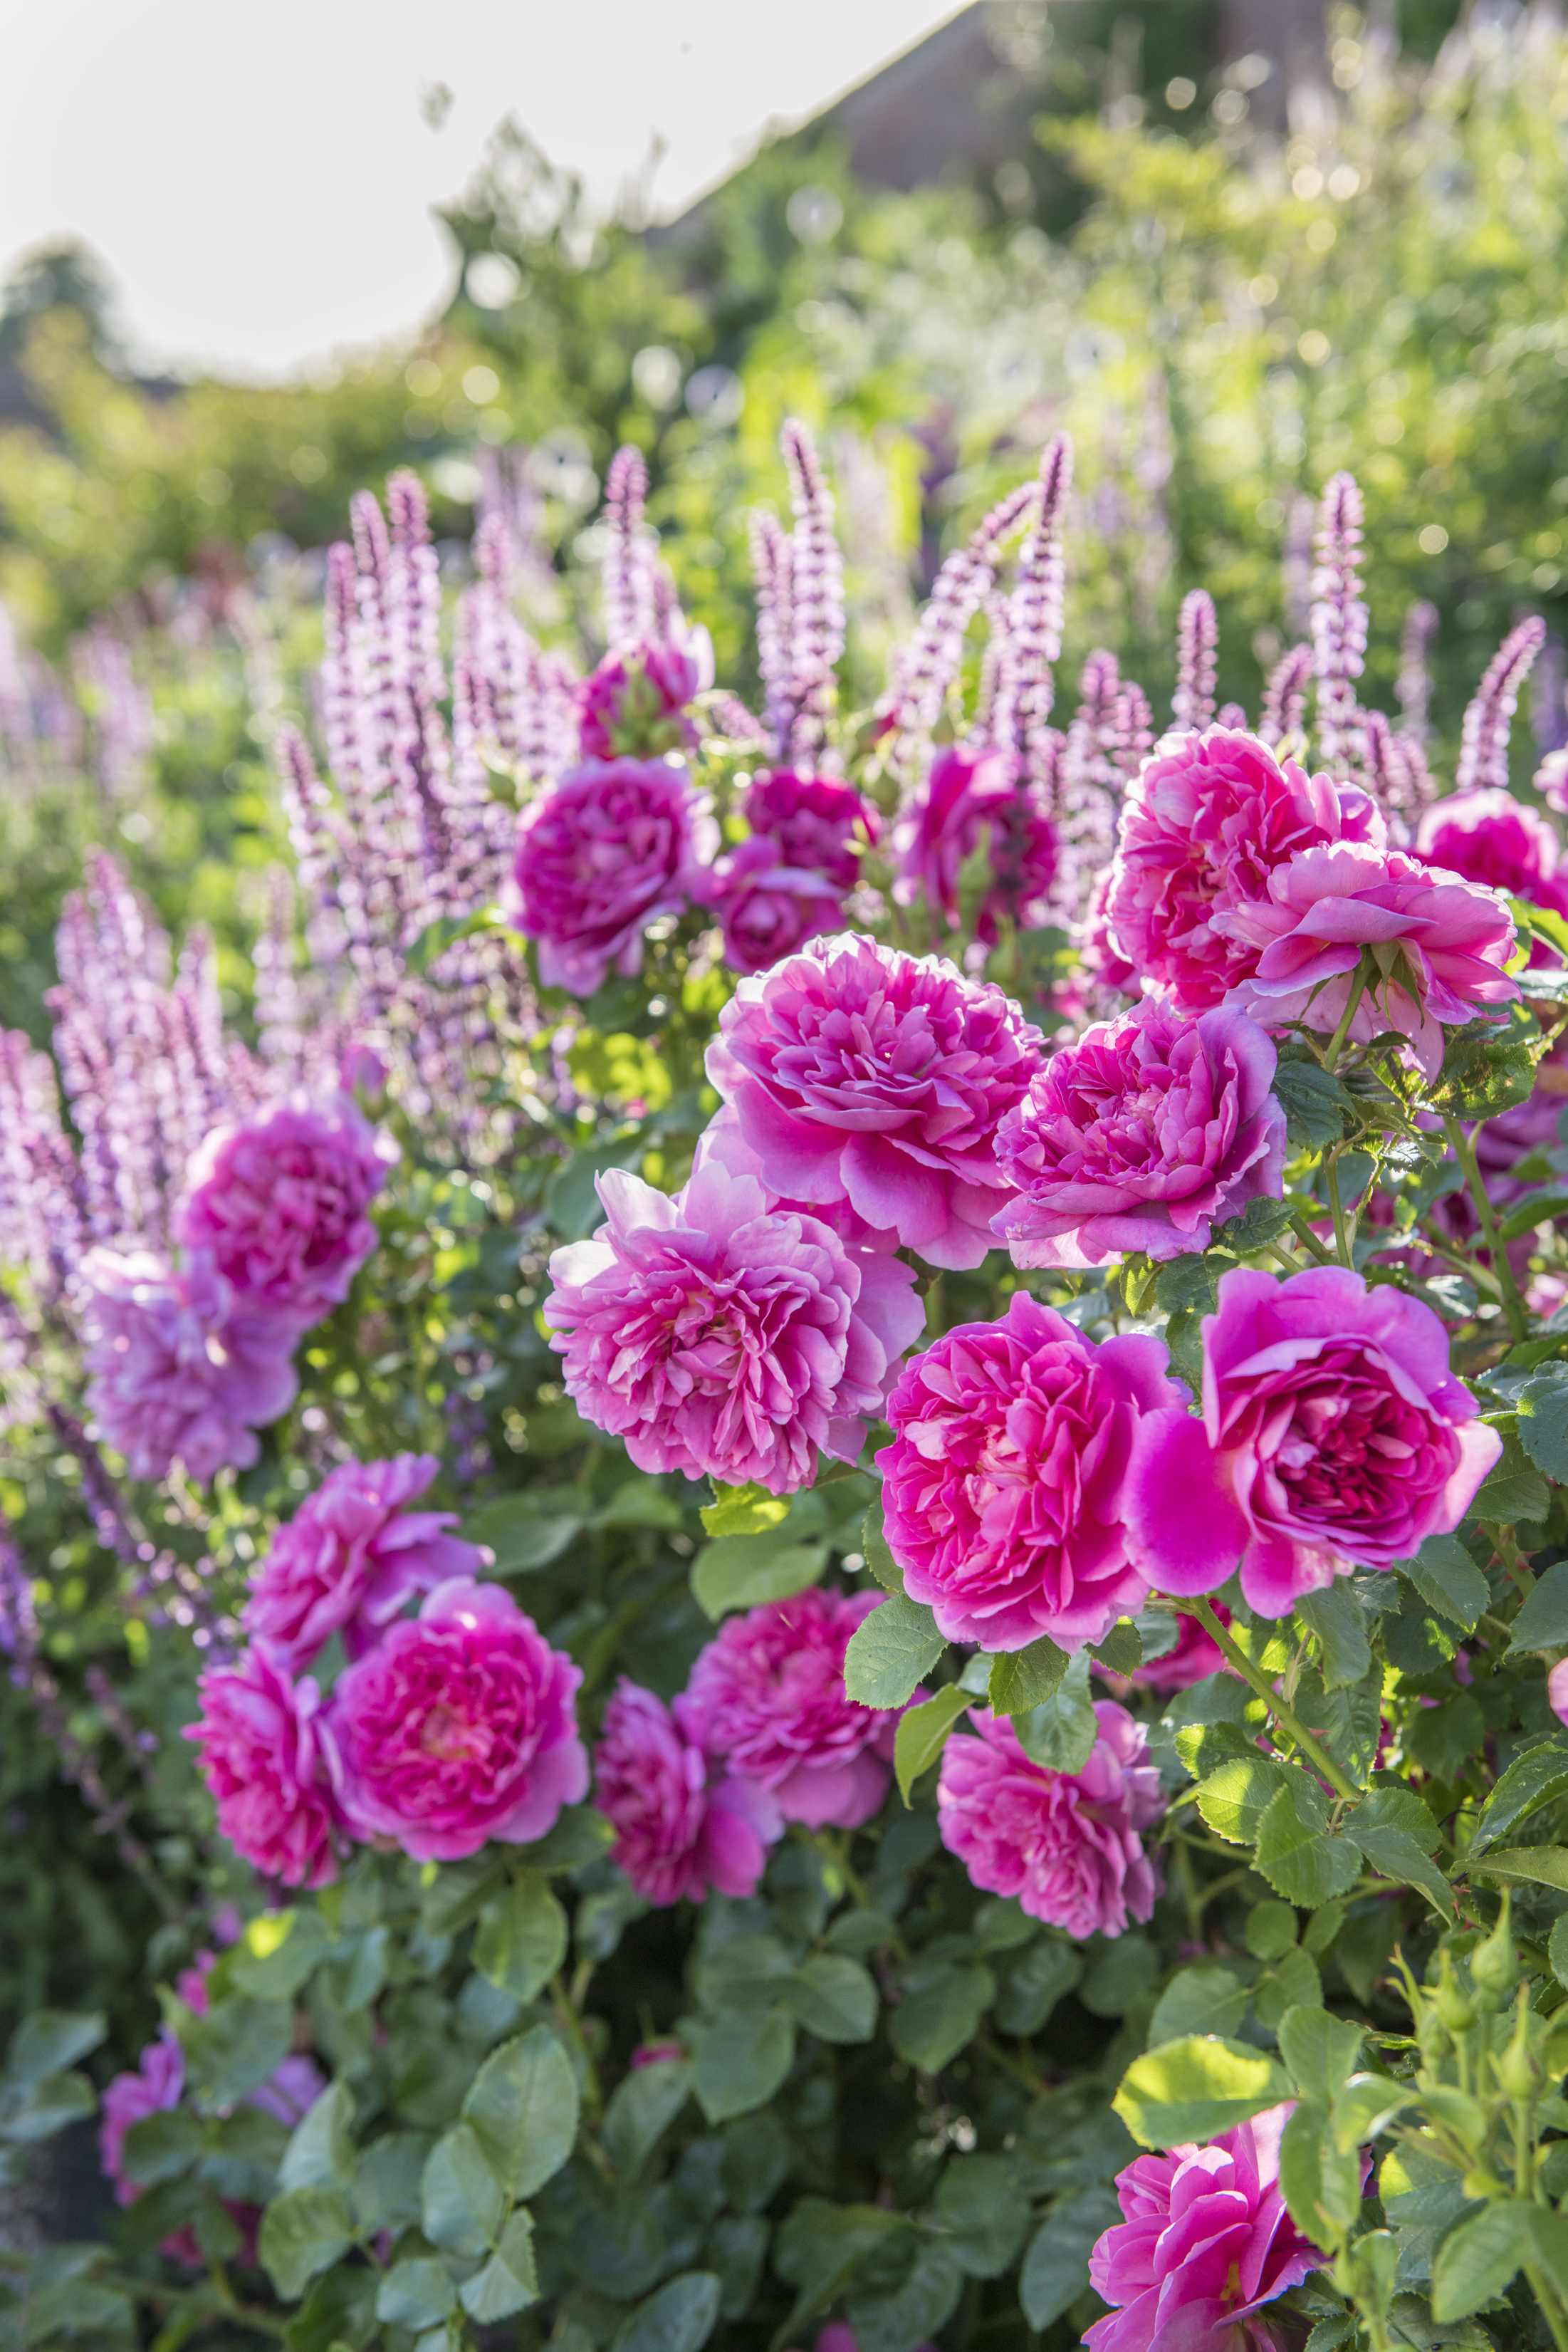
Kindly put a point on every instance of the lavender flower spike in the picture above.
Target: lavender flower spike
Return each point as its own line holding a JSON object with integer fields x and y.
{"x": 1337, "y": 622}
{"x": 1032, "y": 637}
{"x": 1483, "y": 742}
{"x": 1285, "y": 695}
{"x": 1197, "y": 660}
{"x": 925, "y": 666}
{"x": 1413, "y": 690}
{"x": 628, "y": 586}
{"x": 817, "y": 617}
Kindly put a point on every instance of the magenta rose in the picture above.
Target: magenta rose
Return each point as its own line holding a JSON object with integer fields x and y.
{"x": 716, "y": 1335}
{"x": 1143, "y": 1136}
{"x": 1441, "y": 944}
{"x": 969, "y": 788}
{"x": 264, "y": 1760}
{"x": 630, "y": 706}
{"x": 1003, "y": 1491}
{"x": 1489, "y": 838}
{"x": 176, "y": 1372}
{"x": 350, "y": 1558}
{"x": 459, "y": 1726}
{"x": 1333, "y": 1436}
{"x": 814, "y": 820}
{"x": 680, "y": 1826}
{"x": 1205, "y": 2242}
{"x": 1196, "y": 1656}
{"x": 875, "y": 1081}
{"x": 767, "y": 1697}
{"x": 600, "y": 856}
{"x": 768, "y": 908}
{"x": 1066, "y": 1843}
{"x": 1207, "y": 820}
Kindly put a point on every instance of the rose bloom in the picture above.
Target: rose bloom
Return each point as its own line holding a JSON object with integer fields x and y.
{"x": 1066, "y": 1843}
{"x": 1333, "y": 1436}
{"x": 717, "y": 1335}
{"x": 600, "y": 856}
{"x": 1143, "y": 1136}
{"x": 1003, "y": 1490}
{"x": 874, "y": 1081}
{"x": 814, "y": 820}
{"x": 1441, "y": 944}
{"x": 459, "y": 1726}
{"x": 630, "y": 705}
{"x": 767, "y": 1697}
{"x": 349, "y": 1558}
{"x": 769, "y": 908}
{"x": 1204, "y": 826}
{"x": 1490, "y": 839}
{"x": 1557, "y": 1690}
{"x": 264, "y": 1758}
{"x": 674, "y": 1834}
{"x": 967, "y": 789}
{"x": 1205, "y": 2242}
{"x": 1196, "y": 1656}
{"x": 175, "y": 1372}
{"x": 280, "y": 1203}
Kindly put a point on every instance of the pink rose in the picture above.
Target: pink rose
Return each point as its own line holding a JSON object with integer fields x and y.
{"x": 872, "y": 1080}
{"x": 177, "y": 1374}
{"x": 969, "y": 788}
{"x": 351, "y": 1557}
{"x": 1143, "y": 1136}
{"x": 766, "y": 1697}
{"x": 675, "y": 1833}
{"x": 1066, "y": 1843}
{"x": 630, "y": 706}
{"x": 459, "y": 1726}
{"x": 264, "y": 1759}
{"x": 1490, "y": 839}
{"x": 1004, "y": 1490}
{"x": 814, "y": 820}
{"x": 1441, "y": 944}
{"x": 1557, "y": 1690}
{"x": 1196, "y": 1656}
{"x": 768, "y": 908}
{"x": 1333, "y": 1436}
{"x": 717, "y": 1335}
{"x": 1206, "y": 2243}
{"x": 1204, "y": 826}
{"x": 600, "y": 856}
{"x": 280, "y": 1203}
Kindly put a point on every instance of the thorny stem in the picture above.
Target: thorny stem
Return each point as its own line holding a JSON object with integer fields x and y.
{"x": 1464, "y": 1150}
{"x": 1284, "y": 1716}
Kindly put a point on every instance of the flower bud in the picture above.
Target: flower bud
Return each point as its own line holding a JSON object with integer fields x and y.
{"x": 1452, "y": 2004}
{"x": 1494, "y": 1964}
{"x": 1517, "y": 2072}
{"x": 1433, "y": 2038}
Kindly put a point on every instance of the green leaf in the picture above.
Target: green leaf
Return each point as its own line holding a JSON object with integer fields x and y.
{"x": 1512, "y": 1492}
{"x": 1234, "y": 1799}
{"x": 1200, "y": 2001}
{"x": 1542, "y": 1410}
{"x": 522, "y": 1535}
{"x": 986, "y": 2212}
{"x": 509, "y": 2282}
{"x": 1321, "y": 2184}
{"x": 276, "y": 1952}
{"x": 822, "y": 2245}
{"x": 1535, "y": 1209}
{"x": 1061, "y": 1732}
{"x": 522, "y": 1937}
{"x": 461, "y": 2201}
{"x": 47, "y": 2043}
{"x": 1526, "y": 1865}
{"x": 163, "y": 2146}
{"x": 877, "y": 1552}
{"x": 572, "y": 1203}
{"x": 1121, "y": 1650}
{"x": 321, "y": 2151}
{"x": 339, "y": 2310}
{"x": 1321, "y": 2051}
{"x": 1531, "y": 1781}
{"x": 940, "y": 2013}
{"x": 1293, "y": 1983}
{"x": 302, "y": 2232}
{"x": 1187, "y": 1285}
{"x": 1271, "y": 1930}
{"x": 834, "y": 1998}
{"x": 1485, "y": 1070}
{"x": 46, "y": 2108}
{"x": 1543, "y": 1621}
{"x": 1445, "y": 1575}
{"x": 922, "y": 1735}
{"x": 233, "y": 2050}
{"x": 453, "y": 1893}
{"x": 1479, "y": 2257}
{"x": 1021, "y": 1679}
{"x": 748, "y": 1510}
{"x": 385, "y": 2188}
{"x": 1033, "y": 1983}
{"x": 1396, "y": 1833}
{"x": 580, "y": 1834}
{"x": 1295, "y": 1851}
{"x": 1056, "y": 2267}
{"x": 1190, "y": 2090}
{"x": 522, "y": 2105}
{"x": 1318, "y": 1111}
{"x": 890, "y": 1650}
{"x": 417, "y": 2295}
{"x": 642, "y": 2109}
{"x": 914, "y": 2311}
{"x": 679, "y": 2318}
{"x": 739, "y": 2060}
{"x": 1334, "y": 1615}
{"x": 743, "y": 1571}
{"x": 77, "y": 2307}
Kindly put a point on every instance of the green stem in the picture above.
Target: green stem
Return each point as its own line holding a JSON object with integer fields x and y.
{"x": 1464, "y": 1151}
{"x": 1330, "y": 1185}
{"x": 1284, "y": 1716}
{"x": 1550, "y": 2309}
{"x": 1305, "y": 1234}
{"x": 1336, "y": 1042}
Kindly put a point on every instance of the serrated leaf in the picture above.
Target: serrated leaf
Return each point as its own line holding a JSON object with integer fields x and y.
{"x": 1318, "y": 1110}
{"x": 1194, "y": 2088}
{"x": 1298, "y": 1857}
{"x": 415, "y": 2295}
{"x": 1059, "y": 1733}
{"x": 1513, "y": 1491}
{"x": 1445, "y": 1576}
{"x": 1321, "y": 2051}
{"x": 922, "y": 1735}
{"x": 984, "y": 2211}
{"x": 1531, "y": 1781}
{"x": 834, "y": 1998}
{"x": 1294, "y": 1983}
{"x": 461, "y": 2199}
{"x": 1543, "y": 1621}
{"x": 522, "y": 2105}
{"x": 1476, "y": 2260}
{"x": 1121, "y": 1650}
{"x": 1021, "y": 1679}
{"x": 913, "y": 2311}
{"x": 1526, "y": 1865}
{"x": 1334, "y": 1615}
{"x": 877, "y": 1553}
{"x": 889, "y": 1652}
{"x": 509, "y": 2282}
{"x": 453, "y": 1893}
{"x": 522, "y": 1937}
{"x": 1234, "y": 1799}
{"x": 1200, "y": 2001}
{"x": 302, "y": 2232}
{"x": 644, "y": 2105}
{"x": 321, "y": 2150}
{"x": 679, "y": 2318}
{"x": 739, "y": 2059}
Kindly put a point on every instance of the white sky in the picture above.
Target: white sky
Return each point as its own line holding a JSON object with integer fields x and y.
{"x": 257, "y": 175}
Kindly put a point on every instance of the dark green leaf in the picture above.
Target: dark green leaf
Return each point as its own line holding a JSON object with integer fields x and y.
{"x": 233, "y": 2050}
{"x": 301, "y": 2233}
{"x": 572, "y": 1203}
{"x": 914, "y": 2311}
{"x": 321, "y": 2151}
{"x": 834, "y": 1998}
{"x": 679, "y": 2318}
{"x": 522, "y": 1936}
{"x": 922, "y": 1735}
{"x": 1121, "y": 1650}
{"x": 522, "y": 2105}
{"x": 1271, "y": 1930}
{"x": 1513, "y": 1491}
{"x": 1479, "y": 2257}
{"x": 1321, "y": 2184}
{"x": 508, "y": 2281}
{"x": 1535, "y": 1209}
{"x": 521, "y": 1533}
{"x": 385, "y": 2187}
{"x": 1024, "y": 1678}
{"x": 1192, "y": 2089}
{"x": 822, "y": 2245}
{"x": 1395, "y": 1855}
{"x": 1445, "y": 1575}
{"x": 1531, "y": 1781}
{"x": 1294, "y": 1984}
{"x": 163, "y": 2146}
{"x": 1318, "y": 1111}
{"x": 738, "y": 2059}
{"x": 1333, "y": 1613}
{"x": 1118, "y": 1974}
{"x": 644, "y": 2105}
{"x": 47, "y": 2043}
{"x": 416, "y": 2296}
{"x": 1542, "y": 1411}
{"x": 1187, "y": 1282}
{"x": 890, "y": 1651}
{"x": 1485, "y": 1070}
{"x": 1526, "y": 1865}
{"x": 461, "y": 2201}
{"x": 940, "y": 2013}
{"x": 1061, "y": 1732}
{"x": 985, "y": 2211}
{"x": 1032, "y": 1981}
{"x": 877, "y": 1553}
{"x": 1056, "y": 2267}
{"x": 453, "y": 1893}
{"x": 1542, "y": 1623}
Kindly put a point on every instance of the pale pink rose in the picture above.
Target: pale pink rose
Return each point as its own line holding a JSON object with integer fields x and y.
{"x": 768, "y": 908}
{"x": 1151, "y": 1129}
{"x": 1066, "y": 1843}
{"x": 814, "y": 821}
{"x": 630, "y": 706}
{"x": 351, "y": 1557}
{"x": 1207, "y": 820}
{"x": 459, "y": 1726}
{"x": 1440, "y": 943}
{"x": 767, "y": 1697}
{"x": 875, "y": 1081}
{"x": 601, "y": 855}
{"x": 1206, "y": 2243}
{"x": 716, "y": 1335}
{"x": 681, "y": 1827}
{"x": 1004, "y": 1490}
{"x": 1333, "y": 1436}
{"x": 968, "y": 788}
{"x": 176, "y": 1372}
{"x": 264, "y": 1759}
{"x": 1489, "y": 837}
